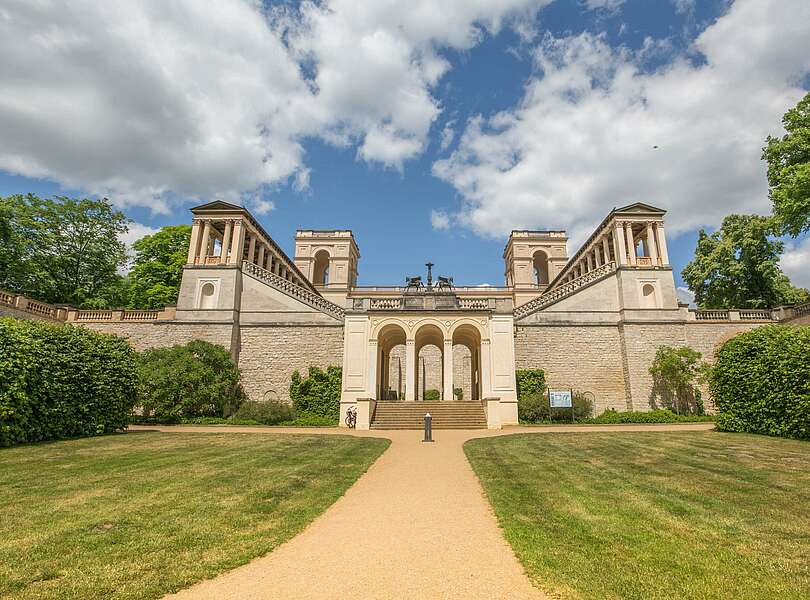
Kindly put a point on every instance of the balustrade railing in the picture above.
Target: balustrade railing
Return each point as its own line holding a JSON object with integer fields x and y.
{"x": 473, "y": 303}
{"x": 140, "y": 315}
{"x": 712, "y": 315}
{"x": 564, "y": 290}
{"x": 6, "y": 298}
{"x": 756, "y": 315}
{"x": 94, "y": 315}
{"x": 293, "y": 289}
{"x": 386, "y": 303}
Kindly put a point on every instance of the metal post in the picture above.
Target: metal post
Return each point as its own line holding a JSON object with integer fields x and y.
{"x": 428, "y": 428}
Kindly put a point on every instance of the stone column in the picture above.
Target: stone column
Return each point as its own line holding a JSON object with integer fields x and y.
{"x": 226, "y": 243}
{"x": 447, "y": 355}
{"x": 252, "y": 249}
{"x": 261, "y": 255}
{"x": 651, "y": 244}
{"x": 238, "y": 243}
{"x": 621, "y": 246}
{"x": 606, "y": 249}
{"x": 590, "y": 261}
{"x": 662, "y": 244}
{"x": 597, "y": 256}
{"x": 631, "y": 244}
{"x": 486, "y": 382}
{"x": 372, "y": 369}
{"x": 410, "y": 370}
{"x": 194, "y": 243}
{"x": 206, "y": 241}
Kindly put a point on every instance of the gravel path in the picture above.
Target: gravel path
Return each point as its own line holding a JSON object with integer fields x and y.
{"x": 416, "y": 525}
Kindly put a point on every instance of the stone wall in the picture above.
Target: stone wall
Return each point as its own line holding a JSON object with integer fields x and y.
{"x": 269, "y": 355}
{"x": 613, "y": 362}
{"x": 157, "y": 334}
{"x": 587, "y": 358}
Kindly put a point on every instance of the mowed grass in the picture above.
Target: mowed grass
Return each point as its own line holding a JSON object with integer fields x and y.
{"x": 142, "y": 514}
{"x": 653, "y": 515}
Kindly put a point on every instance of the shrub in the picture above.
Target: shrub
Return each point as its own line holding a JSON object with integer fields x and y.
{"x": 458, "y": 393}
{"x": 661, "y": 415}
{"x": 535, "y": 408}
{"x": 432, "y": 395}
{"x": 269, "y": 412}
{"x": 197, "y": 379}
{"x": 675, "y": 374}
{"x": 60, "y": 381}
{"x": 530, "y": 381}
{"x": 318, "y": 394}
{"x": 761, "y": 382}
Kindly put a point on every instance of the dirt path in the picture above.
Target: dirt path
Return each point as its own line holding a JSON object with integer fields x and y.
{"x": 416, "y": 525}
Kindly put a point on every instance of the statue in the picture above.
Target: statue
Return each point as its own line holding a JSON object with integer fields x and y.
{"x": 414, "y": 282}
{"x": 445, "y": 283}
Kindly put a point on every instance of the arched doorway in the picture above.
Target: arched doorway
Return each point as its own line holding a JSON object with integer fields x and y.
{"x": 430, "y": 363}
{"x": 467, "y": 361}
{"x": 321, "y": 268}
{"x": 540, "y": 264}
{"x": 391, "y": 366}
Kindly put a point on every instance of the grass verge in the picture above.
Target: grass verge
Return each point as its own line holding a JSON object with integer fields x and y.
{"x": 647, "y": 516}
{"x": 142, "y": 514}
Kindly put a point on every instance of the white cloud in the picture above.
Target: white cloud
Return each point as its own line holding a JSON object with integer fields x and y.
{"x": 135, "y": 232}
{"x": 685, "y": 296}
{"x": 796, "y": 262}
{"x": 608, "y": 5}
{"x": 448, "y": 135}
{"x": 148, "y": 101}
{"x": 583, "y": 138}
{"x": 439, "y": 220}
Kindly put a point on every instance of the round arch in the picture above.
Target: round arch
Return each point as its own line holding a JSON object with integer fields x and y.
{"x": 467, "y": 335}
{"x": 321, "y": 268}
{"x": 391, "y": 361}
{"x": 540, "y": 267}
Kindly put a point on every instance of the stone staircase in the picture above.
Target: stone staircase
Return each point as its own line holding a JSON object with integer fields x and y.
{"x": 446, "y": 415}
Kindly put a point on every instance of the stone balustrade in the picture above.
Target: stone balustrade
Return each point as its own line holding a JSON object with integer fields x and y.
{"x": 292, "y": 289}
{"x": 564, "y": 290}
{"x": 423, "y": 300}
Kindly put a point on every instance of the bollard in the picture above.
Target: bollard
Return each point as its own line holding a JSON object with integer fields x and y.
{"x": 428, "y": 428}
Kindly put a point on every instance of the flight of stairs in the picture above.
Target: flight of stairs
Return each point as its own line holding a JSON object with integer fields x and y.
{"x": 446, "y": 415}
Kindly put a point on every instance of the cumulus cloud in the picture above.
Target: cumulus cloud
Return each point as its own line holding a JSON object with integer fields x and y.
{"x": 595, "y": 130}
{"x": 448, "y": 135}
{"x": 135, "y": 232}
{"x": 685, "y": 296}
{"x": 796, "y": 262}
{"x": 148, "y": 101}
{"x": 439, "y": 220}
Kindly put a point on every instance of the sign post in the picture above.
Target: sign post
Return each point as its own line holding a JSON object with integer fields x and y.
{"x": 561, "y": 399}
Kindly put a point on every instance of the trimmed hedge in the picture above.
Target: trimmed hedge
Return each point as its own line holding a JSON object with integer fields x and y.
{"x": 662, "y": 415}
{"x": 61, "y": 381}
{"x": 317, "y": 395}
{"x": 761, "y": 382}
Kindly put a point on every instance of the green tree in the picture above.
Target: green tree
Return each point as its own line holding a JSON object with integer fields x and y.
{"x": 676, "y": 372}
{"x": 788, "y": 161}
{"x": 158, "y": 267}
{"x": 738, "y": 267}
{"x": 62, "y": 250}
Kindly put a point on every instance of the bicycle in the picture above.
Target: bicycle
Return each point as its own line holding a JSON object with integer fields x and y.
{"x": 351, "y": 417}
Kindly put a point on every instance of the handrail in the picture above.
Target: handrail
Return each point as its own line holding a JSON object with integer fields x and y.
{"x": 564, "y": 290}
{"x": 294, "y": 290}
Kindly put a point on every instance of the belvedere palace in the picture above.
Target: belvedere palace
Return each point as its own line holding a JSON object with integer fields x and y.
{"x": 592, "y": 319}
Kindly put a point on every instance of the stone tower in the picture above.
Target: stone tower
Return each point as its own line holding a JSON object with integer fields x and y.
{"x": 328, "y": 258}
{"x": 532, "y": 259}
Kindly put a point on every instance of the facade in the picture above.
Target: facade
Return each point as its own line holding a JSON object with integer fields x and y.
{"x": 593, "y": 320}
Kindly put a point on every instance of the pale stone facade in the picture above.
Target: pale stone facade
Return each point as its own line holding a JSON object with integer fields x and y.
{"x": 592, "y": 321}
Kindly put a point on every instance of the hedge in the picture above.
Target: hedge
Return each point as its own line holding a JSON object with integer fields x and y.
{"x": 761, "y": 382}
{"x": 61, "y": 381}
{"x": 318, "y": 394}
{"x": 530, "y": 381}
{"x": 661, "y": 415}
{"x": 197, "y": 379}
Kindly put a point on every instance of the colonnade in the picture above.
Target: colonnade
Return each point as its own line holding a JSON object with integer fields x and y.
{"x": 617, "y": 242}
{"x": 238, "y": 241}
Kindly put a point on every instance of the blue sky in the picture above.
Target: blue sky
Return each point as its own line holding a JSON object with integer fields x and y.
{"x": 430, "y": 132}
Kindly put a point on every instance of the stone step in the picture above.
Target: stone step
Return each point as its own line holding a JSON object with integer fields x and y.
{"x": 446, "y": 415}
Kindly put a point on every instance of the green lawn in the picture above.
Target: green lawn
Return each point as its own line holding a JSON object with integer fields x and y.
{"x": 142, "y": 514}
{"x": 653, "y": 515}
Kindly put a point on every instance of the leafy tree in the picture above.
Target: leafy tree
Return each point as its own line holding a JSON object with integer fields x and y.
{"x": 738, "y": 267}
{"x": 198, "y": 379}
{"x": 318, "y": 394}
{"x": 676, "y": 372}
{"x": 789, "y": 170}
{"x": 158, "y": 267}
{"x": 62, "y": 250}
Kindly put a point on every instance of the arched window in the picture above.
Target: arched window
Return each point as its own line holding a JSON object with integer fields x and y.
{"x": 540, "y": 263}
{"x": 321, "y": 274}
{"x": 648, "y": 299}
{"x": 207, "y": 299}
